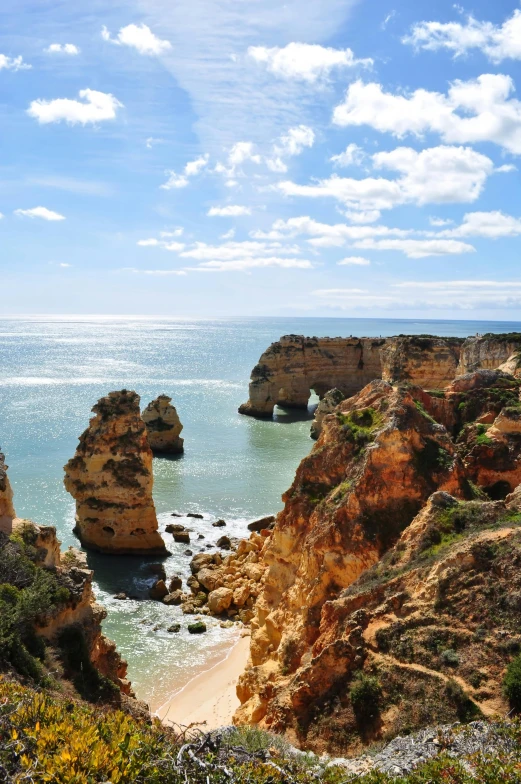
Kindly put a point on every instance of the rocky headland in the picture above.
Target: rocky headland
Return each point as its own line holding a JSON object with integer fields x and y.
{"x": 389, "y": 597}
{"x": 295, "y": 365}
{"x": 163, "y": 426}
{"x": 110, "y": 476}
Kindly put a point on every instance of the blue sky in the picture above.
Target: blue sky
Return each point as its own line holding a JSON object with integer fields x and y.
{"x": 247, "y": 157}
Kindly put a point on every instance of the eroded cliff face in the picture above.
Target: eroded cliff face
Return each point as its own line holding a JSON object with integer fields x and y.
{"x": 295, "y": 365}
{"x": 110, "y": 477}
{"x": 379, "y": 457}
{"x": 163, "y": 426}
{"x": 490, "y": 352}
{"x": 7, "y": 512}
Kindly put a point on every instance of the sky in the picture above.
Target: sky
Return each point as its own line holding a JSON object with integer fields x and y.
{"x": 226, "y": 158}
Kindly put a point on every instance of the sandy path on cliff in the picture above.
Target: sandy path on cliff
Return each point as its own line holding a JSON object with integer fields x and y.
{"x": 209, "y": 699}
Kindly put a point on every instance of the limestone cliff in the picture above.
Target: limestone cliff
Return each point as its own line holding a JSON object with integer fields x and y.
{"x": 380, "y": 455}
{"x": 490, "y": 351}
{"x": 327, "y": 405}
{"x": 378, "y": 458}
{"x": 163, "y": 426}
{"x": 7, "y": 512}
{"x": 295, "y": 365}
{"x": 110, "y": 477}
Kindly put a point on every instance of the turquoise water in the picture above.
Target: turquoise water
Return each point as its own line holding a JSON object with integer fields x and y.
{"x": 53, "y": 370}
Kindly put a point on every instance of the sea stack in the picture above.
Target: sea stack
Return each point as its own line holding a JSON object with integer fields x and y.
{"x": 110, "y": 476}
{"x": 7, "y": 512}
{"x": 163, "y": 426}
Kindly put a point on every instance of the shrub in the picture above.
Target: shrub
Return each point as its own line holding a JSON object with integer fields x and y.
{"x": 512, "y": 683}
{"x": 366, "y": 696}
{"x": 449, "y": 657}
{"x": 89, "y": 683}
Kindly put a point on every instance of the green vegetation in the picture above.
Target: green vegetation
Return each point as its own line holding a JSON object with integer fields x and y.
{"x": 359, "y": 426}
{"x": 432, "y": 459}
{"x": 421, "y": 408}
{"x": 482, "y": 438}
{"x": 512, "y": 683}
{"x": 366, "y": 696}
{"x": 26, "y": 592}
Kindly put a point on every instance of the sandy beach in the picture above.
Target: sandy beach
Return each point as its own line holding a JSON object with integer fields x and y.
{"x": 209, "y": 698}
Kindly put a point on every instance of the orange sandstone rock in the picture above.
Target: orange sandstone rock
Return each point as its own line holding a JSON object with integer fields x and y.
{"x": 110, "y": 477}
{"x": 7, "y": 512}
{"x": 163, "y": 426}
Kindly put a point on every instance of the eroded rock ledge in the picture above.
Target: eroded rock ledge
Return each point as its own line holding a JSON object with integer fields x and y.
{"x": 293, "y": 366}
{"x": 111, "y": 479}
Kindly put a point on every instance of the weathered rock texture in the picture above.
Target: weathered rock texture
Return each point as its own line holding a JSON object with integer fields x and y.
{"x": 327, "y": 405}
{"x": 110, "y": 477}
{"x": 293, "y": 366}
{"x": 380, "y": 455}
{"x": 163, "y": 426}
{"x": 7, "y": 512}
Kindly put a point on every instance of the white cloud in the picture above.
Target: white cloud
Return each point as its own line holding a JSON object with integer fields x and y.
{"x": 177, "y": 232}
{"x": 151, "y": 142}
{"x": 229, "y": 251}
{"x": 139, "y": 37}
{"x": 232, "y": 211}
{"x": 486, "y": 224}
{"x": 417, "y": 249}
{"x": 497, "y": 42}
{"x": 367, "y": 216}
{"x": 305, "y": 62}
{"x": 70, "y": 49}
{"x": 438, "y": 222}
{"x": 292, "y": 143}
{"x": 435, "y": 175}
{"x": 13, "y": 63}
{"x": 40, "y": 212}
{"x": 241, "y": 152}
{"x": 387, "y": 19}
{"x": 352, "y": 156}
{"x": 474, "y": 111}
{"x": 94, "y": 107}
{"x": 326, "y": 235}
{"x": 244, "y": 264}
{"x": 357, "y": 261}
{"x": 191, "y": 169}
{"x": 64, "y": 264}
{"x": 228, "y": 235}
{"x": 175, "y": 247}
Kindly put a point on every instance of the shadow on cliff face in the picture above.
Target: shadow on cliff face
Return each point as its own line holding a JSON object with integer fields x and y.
{"x": 287, "y": 416}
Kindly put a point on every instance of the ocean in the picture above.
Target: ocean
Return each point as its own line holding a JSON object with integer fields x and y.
{"x": 54, "y": 369}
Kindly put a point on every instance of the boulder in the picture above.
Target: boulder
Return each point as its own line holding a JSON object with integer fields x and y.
{"x": 158, "y": 569}
{"x": 175, "y": 583}
{"x": 158, "y": 590}
{"x": 262, "y": 524}
{"x": 220, "y": 600}
{"x": 224, "y": 543}
{"x": 176, "y": 627}
{"x": 219, "y": 524}
{"x": 174, "y": 597}
{"x": 195, "y": 515}
{"x": 182, "y": 537}
{"x": 198, "y": 627}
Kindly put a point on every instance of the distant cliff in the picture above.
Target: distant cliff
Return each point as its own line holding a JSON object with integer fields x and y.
{"x": 292, "y": 367}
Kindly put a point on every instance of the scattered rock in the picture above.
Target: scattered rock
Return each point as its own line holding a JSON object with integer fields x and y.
{"x": 176, "y": 627}
{"x": 182, "y": 537}
{"x": 175, "y": 598}
{"x": 121, "y": 596}
{"x": 200, "y": 536}
{"x": 262, "y": 524}
{"x": 188, "y": 552}
{"x": 224, "y": 543}
{"x": 175, "y": 514}
{"x": 219, "y": 524}
{"x": 173, "y": 528}
{"x": 199, "y": 627}
{"x": 220, "y": 600}
{"x": 175, "y": 583}
{"x": 196, "y": 515}
{"x": 158, "y": 590}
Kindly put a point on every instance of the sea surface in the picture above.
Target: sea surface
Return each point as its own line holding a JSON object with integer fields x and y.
{"x": 54, "y": 369}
